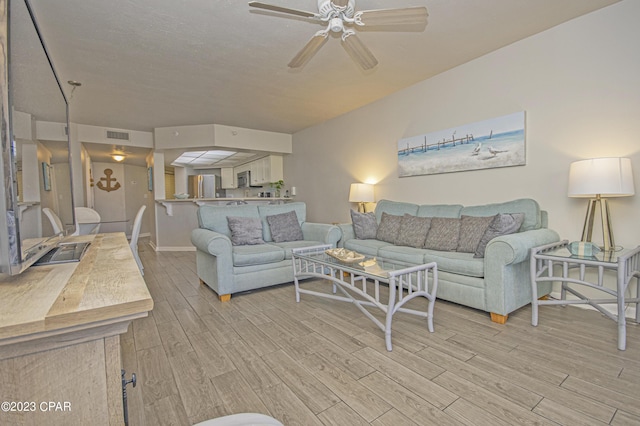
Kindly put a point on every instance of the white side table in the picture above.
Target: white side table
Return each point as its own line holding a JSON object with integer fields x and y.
{"x": 545, "y": 260}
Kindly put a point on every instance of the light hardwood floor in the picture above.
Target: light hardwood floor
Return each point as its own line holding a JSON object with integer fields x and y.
{"x": 321, "y": 362}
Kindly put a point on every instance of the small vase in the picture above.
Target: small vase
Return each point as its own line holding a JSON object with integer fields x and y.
{"x": 277, "y": 193}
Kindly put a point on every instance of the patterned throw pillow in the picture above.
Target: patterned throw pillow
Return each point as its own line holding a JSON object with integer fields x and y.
{"x": 245, "y": 230}
{"x": 388, "y": 228}
{"x": 413, "y": 231}
{"x": 502, "y": 224}
{"x": 472, "y": 228}
{"x": 285, "y": 227}
{"x": 444, "y": 234}
{"x": 364, "y": 225}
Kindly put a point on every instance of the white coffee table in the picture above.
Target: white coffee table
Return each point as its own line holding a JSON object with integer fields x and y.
{"x": 406, "y": 282}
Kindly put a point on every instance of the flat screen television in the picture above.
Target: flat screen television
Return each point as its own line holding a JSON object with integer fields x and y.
{"x": 36, "y": 162}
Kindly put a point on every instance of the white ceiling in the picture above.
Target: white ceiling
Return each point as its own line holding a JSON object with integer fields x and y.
{"x": 156, "y": 63}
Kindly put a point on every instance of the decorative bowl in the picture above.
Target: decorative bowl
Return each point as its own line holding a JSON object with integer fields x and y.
{"x": 181, "y": 196}
{"x": 344, "y": 255}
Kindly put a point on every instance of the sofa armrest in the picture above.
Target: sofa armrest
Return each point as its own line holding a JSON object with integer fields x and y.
{"x": 211, "y": 242}
{"x": 506, "y": 270}
{"x": 328, "y": 234}
{"x": 515, "y": 248}
{"x": 347, "y": 233}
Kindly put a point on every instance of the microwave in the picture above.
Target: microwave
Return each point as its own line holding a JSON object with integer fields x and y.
{"x": 244, "y": 179}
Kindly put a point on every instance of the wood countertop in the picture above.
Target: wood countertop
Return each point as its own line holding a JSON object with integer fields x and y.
{"x": 105, "y": 286}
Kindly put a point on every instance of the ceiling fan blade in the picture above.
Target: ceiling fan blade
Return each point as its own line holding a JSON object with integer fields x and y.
{"x": 275, "y": 8}
{"x": 309, "y": 50}
{"x": 340, "y": 3}
{"x": 406, "y": 16}
{"x": 358, "y": 51}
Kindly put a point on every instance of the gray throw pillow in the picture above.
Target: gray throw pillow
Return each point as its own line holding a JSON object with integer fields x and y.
{"x": 502, "y": 224}
{"x": 388, "y": 228}
{"x": 245, "y": 230}
{"x": 472, "y": 228}
{"x": 285, "y": 227}
{"x": 444, "y": 234}
{"x": 413, "y": 231}
{"x": 364, "y": 225}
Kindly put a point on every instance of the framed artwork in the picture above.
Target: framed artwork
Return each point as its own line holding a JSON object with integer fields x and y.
{"x": 150, "y": 178}
{"x": 46, "y": 176}
{"x": 497, "y": 142}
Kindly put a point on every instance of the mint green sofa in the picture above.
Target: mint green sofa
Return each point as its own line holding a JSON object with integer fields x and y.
{"x": 230, "y": 269}
{"x": 499, "y": 283}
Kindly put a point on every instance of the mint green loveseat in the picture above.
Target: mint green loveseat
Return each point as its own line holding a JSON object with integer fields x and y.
{"x": 499, "y": 283}
{"x": 230, "y": 269}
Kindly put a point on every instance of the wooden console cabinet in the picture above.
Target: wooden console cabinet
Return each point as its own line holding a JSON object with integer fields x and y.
{"x": 60, "y": 329}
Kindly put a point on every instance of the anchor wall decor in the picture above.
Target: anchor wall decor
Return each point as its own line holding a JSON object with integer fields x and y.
{"x": 108, "y": 179}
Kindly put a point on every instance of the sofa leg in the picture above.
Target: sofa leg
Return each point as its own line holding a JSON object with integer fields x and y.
{"x": 224, "y": 297}
{"x": 497, "y": 318}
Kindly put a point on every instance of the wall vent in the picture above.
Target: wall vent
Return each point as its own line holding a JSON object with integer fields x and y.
{"x": 121, "y": 136}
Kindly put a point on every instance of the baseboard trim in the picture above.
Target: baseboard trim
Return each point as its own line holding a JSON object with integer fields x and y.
{"x": 630, "y": 311}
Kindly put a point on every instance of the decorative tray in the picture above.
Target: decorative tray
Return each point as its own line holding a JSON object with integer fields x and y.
{"x": 345, "y": 255}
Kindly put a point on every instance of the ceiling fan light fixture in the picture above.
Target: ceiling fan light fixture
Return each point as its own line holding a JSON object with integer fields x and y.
{"x": 336, "y": 25}
{"x": 118, "y": 157}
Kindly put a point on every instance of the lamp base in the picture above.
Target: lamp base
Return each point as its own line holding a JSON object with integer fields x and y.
{"x": 607, "y": 230}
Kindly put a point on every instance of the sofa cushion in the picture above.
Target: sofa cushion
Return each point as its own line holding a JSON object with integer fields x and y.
{"x": 389, "y": 227}
{"x": 214, "y": 218}
{"x": 472, "y": 228}
{"x": 413, "y": 231}
{"x": 245, "y": 230}
{"x": 285, "y": 227}
{"x": 368, "y": 247}
{"x": 395, "y": 208}
{"x": 502, "y": 224}
{"x": 364, "y": 225}
{"x": 456, "y": 263}
{"x": 411, "y": 255}
{"x": 530, "y": 208}
{"x": 265, "y": 210}
{"x": 289, "y": 245}
{"x": 258, "y": 254}
{"x": 443, "y": 234}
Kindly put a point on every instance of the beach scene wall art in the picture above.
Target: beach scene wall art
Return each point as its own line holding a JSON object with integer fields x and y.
{"x": 497, "y": 142}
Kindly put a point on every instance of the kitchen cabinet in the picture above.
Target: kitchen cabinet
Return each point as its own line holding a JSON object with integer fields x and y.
{"x": 228, "y": 178}
{"x": 266, "y": 170}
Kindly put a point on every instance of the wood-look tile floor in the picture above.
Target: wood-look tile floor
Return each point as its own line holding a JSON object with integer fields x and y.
{"x": 321, "y": 362}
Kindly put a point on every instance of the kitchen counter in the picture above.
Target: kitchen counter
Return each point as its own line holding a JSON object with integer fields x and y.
{"x": 60, "y": 329}
{"x": 168, "y": 203}
{"x": 195, "y": 200}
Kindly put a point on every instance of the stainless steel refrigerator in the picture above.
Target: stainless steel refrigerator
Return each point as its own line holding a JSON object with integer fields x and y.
{"x": 205, "y": 186}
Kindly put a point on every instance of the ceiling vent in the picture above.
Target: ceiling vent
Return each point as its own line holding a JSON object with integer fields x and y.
{"x": 121, "y": 136}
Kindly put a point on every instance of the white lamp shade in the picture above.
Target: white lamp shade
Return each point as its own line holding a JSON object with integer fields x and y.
{"x": 607, "y": 177}
{"x": 361, "y": 193}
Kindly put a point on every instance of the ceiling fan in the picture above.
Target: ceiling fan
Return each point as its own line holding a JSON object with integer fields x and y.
{"x": 340, "y": 15}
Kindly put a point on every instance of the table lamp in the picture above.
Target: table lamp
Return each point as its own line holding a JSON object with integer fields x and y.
{"x": 598, "y": 179}
{"x": 361, "y": 193}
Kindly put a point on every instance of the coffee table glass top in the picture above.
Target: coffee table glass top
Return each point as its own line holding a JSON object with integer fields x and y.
{"x": 375, "y": 266}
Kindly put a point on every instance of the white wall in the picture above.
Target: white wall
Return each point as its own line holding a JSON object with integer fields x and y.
{"x": 579, "y": 84}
